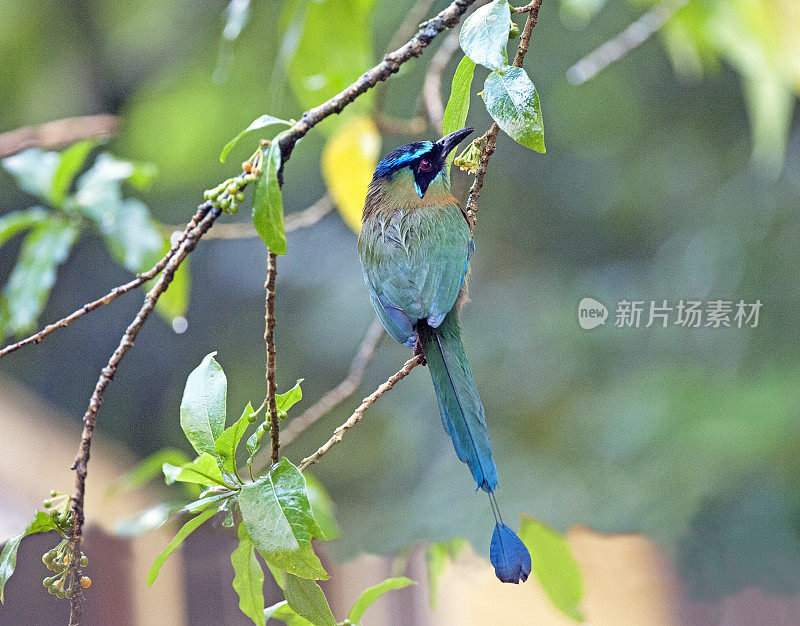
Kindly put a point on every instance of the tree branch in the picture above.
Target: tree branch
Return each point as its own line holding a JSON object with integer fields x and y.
{"x": 490, "y": 137}
{"x": 269, "y": 339}
{"x": 57, "y": 133}
{"x": 208, "y": 214}
{"x": 632, "y": 37}
{"x": 343, "y": 390}
{"x": 338, "y": 434}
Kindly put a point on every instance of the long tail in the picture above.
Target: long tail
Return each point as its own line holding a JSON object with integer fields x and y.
{"x": 463, "y": 418}
{"x": 459, "y": 402}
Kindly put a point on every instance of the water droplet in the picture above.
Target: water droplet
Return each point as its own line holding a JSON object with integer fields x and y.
{"x": 180, "y": 324}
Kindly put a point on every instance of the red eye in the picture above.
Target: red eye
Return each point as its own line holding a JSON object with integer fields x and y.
{"x": 425, "y": 165}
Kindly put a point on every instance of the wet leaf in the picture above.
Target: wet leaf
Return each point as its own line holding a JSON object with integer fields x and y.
{"x": 268, "y": 202}
{"x": 513, "y": 103}
{"x": 484, "y": 35}
{"x": 204, "y": 470}
{"x": 203, "y": 405}
{"x": 277, "y": 513}
{"x": 307, "y": 599}
{"x": 248, "y": 579}
{"x": 227, "y": 443}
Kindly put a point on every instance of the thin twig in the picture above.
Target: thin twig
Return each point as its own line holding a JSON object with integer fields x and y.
{"x": 82, "y": 459}
{"x": 490, "y": 137}
{"x": 359, "y": 412}
{"x": 57, "y": 133}
{"x": 432, "y": 86}
{"x": 342, "y": 391}
{"x": 633, "y": 36}
{"x": 269, "y": 339}
{"x": 294, "y": 221}
{"x": 111, "y": 295}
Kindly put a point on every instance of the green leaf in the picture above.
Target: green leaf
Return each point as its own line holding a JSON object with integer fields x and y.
{"x": 70, "y": 162}
{"x": 285, "y": 401}
{"x": 203, "y": 405}
{"x": 187, "y": 529}
{"x": 227, "y": 443}
{"x": 256, "y": 124}
{"x": 204, "y": 470}
{"x": 146, "y": 470}
{"x": 268, "y": 202}
{"x": 41, "y": 523}
{"x": 286, "y": 614}
{"x": 368, "y": 596}
{"x": 33, "y": 170}
{"x": 278, "y": 517}
{"x": 484, "y": 35}
{"x": 322, "y": 507}
{"x": 554, "y": 566}
{"x": 254, "y": 443}
{"x": 437, "y": 557}
{"x": 513, "y": 103}
{"x": 206, "y": 500}
{"x": 307, "y": 599}
{"x": 248, "y": 578}
{"x": 455, "y": 114}
{"x": 15, "y": 222}
{"x": 28, "y": 287}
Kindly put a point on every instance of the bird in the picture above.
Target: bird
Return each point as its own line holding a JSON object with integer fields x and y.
{"x": 415, "y": 245}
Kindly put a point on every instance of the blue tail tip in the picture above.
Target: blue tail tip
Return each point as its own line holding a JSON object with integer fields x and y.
{"x": 510, "y": 557}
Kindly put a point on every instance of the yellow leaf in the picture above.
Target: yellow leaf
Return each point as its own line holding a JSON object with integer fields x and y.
{"x": 348, "y": 161}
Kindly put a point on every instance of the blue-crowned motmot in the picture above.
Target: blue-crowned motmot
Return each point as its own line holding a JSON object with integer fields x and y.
{"x": 415, "y": 246}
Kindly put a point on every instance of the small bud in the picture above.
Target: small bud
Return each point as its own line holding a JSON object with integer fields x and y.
{"x": 239, "y": 197}
{"x": 86, "y": 582}
{"x": 47, "y": 504}
{"x": 247, "y": 166}
{"x": 84, "y": 561}
{"x": 53, "y": 493}
{"x": 47, "y": 582}
{"x": 513, "y": 32}
{"x": 61, "y": 595}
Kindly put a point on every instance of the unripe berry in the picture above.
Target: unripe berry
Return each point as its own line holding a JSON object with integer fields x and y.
{"x": 513, "y": 33}
{"x": 84, "y": 561}
{"x": 53, "y": 493}
{"x": 47, "y": 504}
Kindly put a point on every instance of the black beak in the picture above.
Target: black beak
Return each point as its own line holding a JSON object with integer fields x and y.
{"x": 448, "y": 142}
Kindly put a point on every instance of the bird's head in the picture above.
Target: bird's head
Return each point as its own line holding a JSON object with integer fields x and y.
{"x": 421, "y": 162}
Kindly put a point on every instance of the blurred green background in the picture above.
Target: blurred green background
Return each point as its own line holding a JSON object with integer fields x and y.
{"x": 650, "y": 190}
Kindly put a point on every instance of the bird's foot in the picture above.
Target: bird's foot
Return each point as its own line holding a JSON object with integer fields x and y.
{"x": 418, "y": 351}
